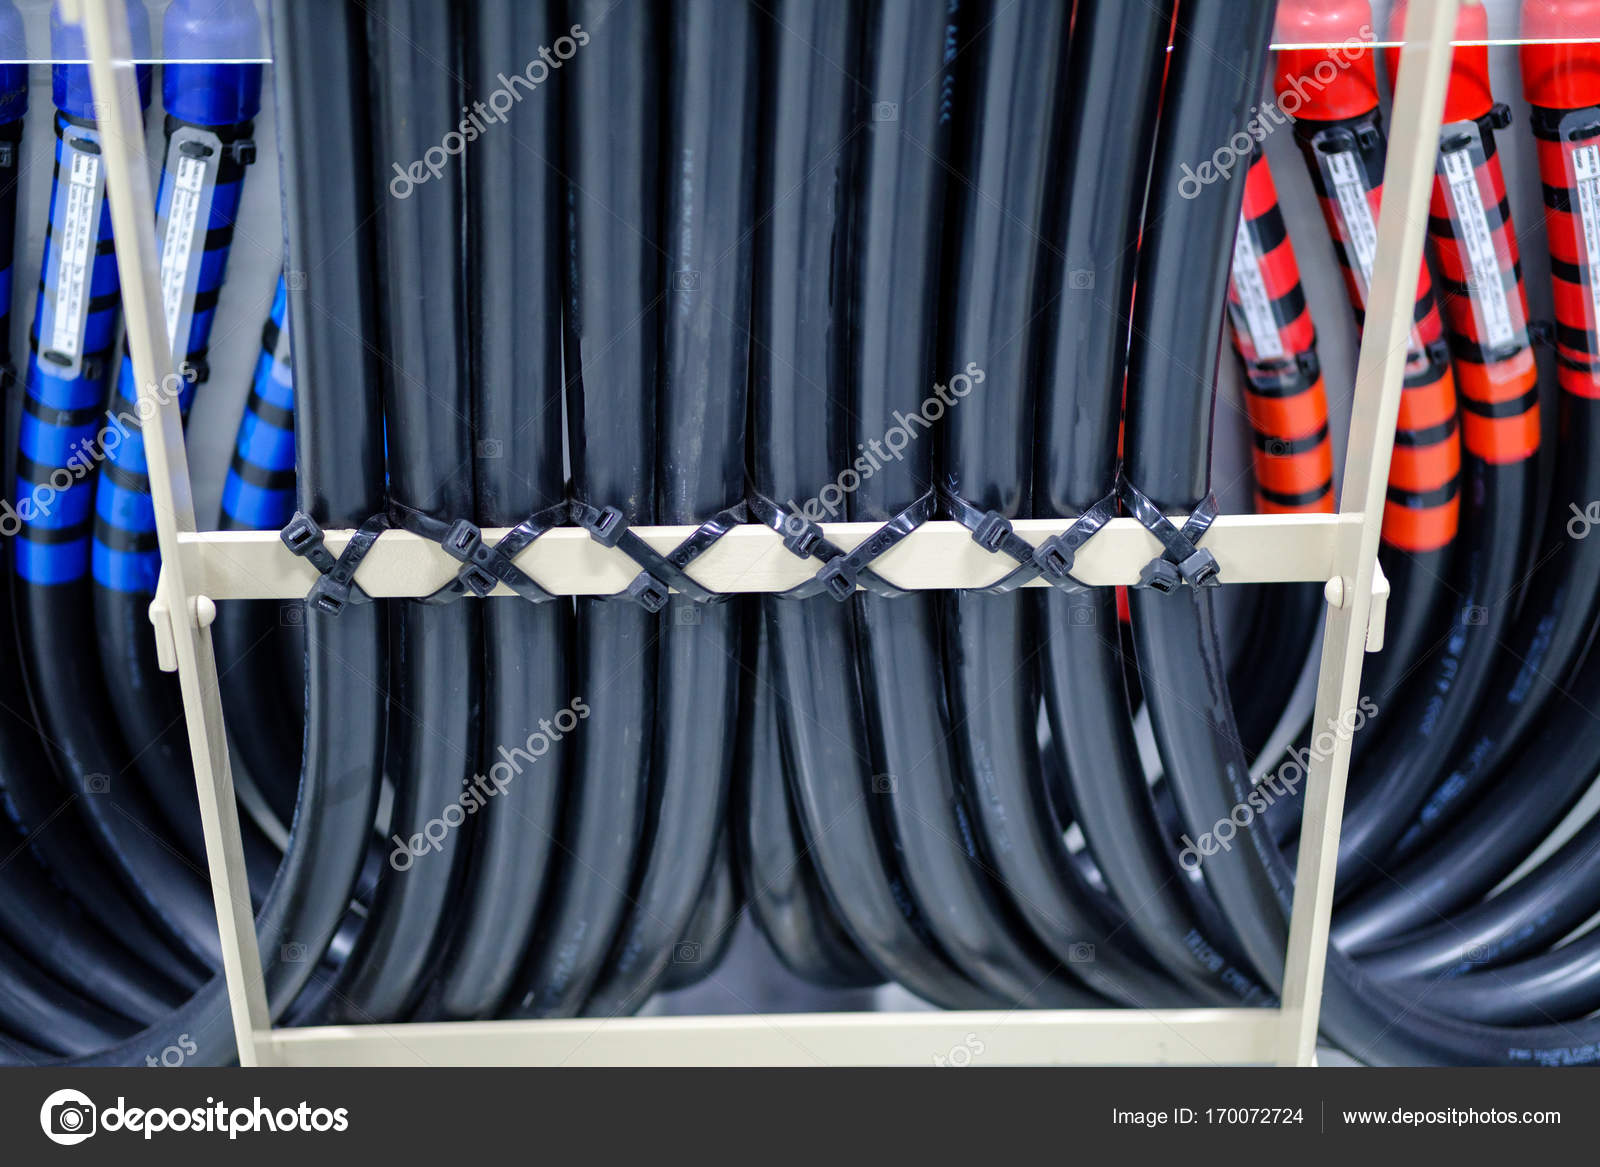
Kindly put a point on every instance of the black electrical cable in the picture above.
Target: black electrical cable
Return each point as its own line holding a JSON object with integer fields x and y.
{"x": 813, "y": 123}
{"x": 515, "y": 300}
{"x": 710, "y": 931}
{"x": 615, "y": 287}
{"x": 1536, "y": 909}
{"x": 707, "y": 198}
{"x": 1508, "y": 822}
{"x": 433, "y": 689}
{"x": 320, "y": 61}
{"x": 1118, "y": 58}
{"x": 1010, "y": 57}
{"x": 780, "y": 885}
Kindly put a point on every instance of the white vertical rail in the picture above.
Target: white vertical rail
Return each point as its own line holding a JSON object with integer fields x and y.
{"x": 182, "y": 621}
{"x": 1408, "y": 181}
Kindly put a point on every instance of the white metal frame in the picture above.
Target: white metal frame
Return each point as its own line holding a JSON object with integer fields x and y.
{"x": 1339, "y": 551}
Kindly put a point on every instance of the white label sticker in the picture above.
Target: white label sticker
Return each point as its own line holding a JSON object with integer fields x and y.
{"x": 178, "y": 249}
{"x": 78, "y": 240}
{"x": 1360, "y": 228}
{"x": 1360, "y": 231}
{"x": 1471, "y": 226}
{"x": 1586, "y": 168}
{"x": 1260, "y": 324}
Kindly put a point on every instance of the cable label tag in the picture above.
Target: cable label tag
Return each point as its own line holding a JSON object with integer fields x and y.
{"x": 1586, "y": 170}
{"x": 77, "y": 237}
{"x": 1471, "y": 224}
{"x": 1252, "y": 313}
{"x": 189, "y": 183}
{"x": 1351, "y": 196}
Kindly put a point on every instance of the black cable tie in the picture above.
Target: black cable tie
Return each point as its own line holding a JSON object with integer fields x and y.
{"x": 842, "y": 571}
{"x": 1058, "y": 555}
{"x": 993, "y": 531}
{"x": 337, "y": 587}
{"x": 483, "y": 567}
{"x": 661, "y": 572}
{"x": 1182, "y": 561}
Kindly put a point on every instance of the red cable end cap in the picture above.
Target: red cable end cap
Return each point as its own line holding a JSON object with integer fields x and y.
{"x": 1561, "y": 76}
{"x": 1335, "y": 79}
{"x": 1469, "y": 96}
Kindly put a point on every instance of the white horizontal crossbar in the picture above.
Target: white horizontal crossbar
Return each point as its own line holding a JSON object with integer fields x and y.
{"x": 1016, "y": 1037}
{"x": 240, "y": 565}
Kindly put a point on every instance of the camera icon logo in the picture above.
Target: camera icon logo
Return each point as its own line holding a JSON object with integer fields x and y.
{"x": 686, "y": 952}
{"x": 1081, "y": 953}
{"x": 292, "y": 614}
{"x": 885, "y": 111}
{"x": 491, "y": 448}
{"x": 685, "y": 615}
{"x": 97, "y": 783}
{"x": 1083, "y": 616}
{"x": 292, "y": 953}
{"x": 884, "y": 784}
{"x": 295, "y": 281}
{"x": 685, "y": 281}
{"x": 1475, "y": 614}
{"x": 68, "y": 1117}
{"x": 1081, "y": 279}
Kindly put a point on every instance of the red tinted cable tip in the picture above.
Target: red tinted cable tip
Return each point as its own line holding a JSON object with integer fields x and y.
{"x": 1561, "y": 76}
{"x": 1336, "y": 79}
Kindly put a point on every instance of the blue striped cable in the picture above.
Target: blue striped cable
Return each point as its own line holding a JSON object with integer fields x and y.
{"x": 210, "y": 111}
{"x": 73, "y": 332}
{"x": 258, "y": 494}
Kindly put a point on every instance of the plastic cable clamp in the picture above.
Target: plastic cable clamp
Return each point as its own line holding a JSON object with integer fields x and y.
{"x": 842, "y": 571}
{"x": 337, "y": 587}
{"x": 1182, "y": 562}
{"x": 483, "y": 567}
{"x": 660, "y": 572}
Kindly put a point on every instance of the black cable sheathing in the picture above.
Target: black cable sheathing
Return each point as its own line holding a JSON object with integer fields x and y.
{"x": 431, "y": 753}
{"x": 515, "y": 298}
{"x": 320, "y": 61}
{"x": 1508, "y": 821}
{"x": 1108, "y": 126}
{"x": 800, "y": 442}
{"x": 1039, "y": 922}
{"x": 61, "y": 664}
{"x": 710, "y": 110}
{"x": 41, "y": 811}
{"x": 1536, "y": 910}
{"x": 615, "y": 287}
{"x": 785, "y": 897}
{"x": 710, "y": 932}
